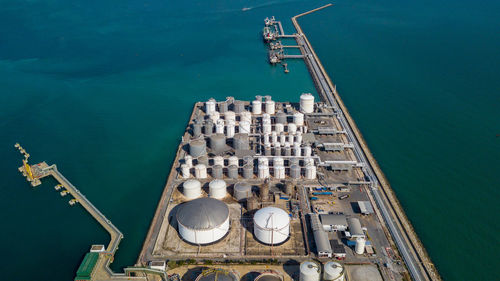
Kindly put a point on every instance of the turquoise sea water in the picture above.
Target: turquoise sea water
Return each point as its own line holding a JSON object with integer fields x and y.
{"x": 104, "y": 89}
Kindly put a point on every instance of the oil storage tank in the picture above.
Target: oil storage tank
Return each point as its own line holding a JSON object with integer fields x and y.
{"x": 268, "y": 276}
{"x": 217, "y": 189}
{"x": 271, "y": 225}
{"x": 242, "y": 191}
{"x": 217, "y": 274}
{"x": 191, "y": 189}
{"x": 203, "y": 220}
{"x": 333, "y": 271}
{"x": 309, "y": 271}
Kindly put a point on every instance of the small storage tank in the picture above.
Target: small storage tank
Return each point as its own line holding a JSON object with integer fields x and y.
{"x": 197, "y": 129}
{"x": 309, "y": 271}
{"x": 200, "y": 171}
{"x": 246, "y": 116}
{"x": 263, "y": 161}
{"x": 281, "y": 118}
{"x": 256, "y": 107}
{"x": 230, "y": 129}
{"x": 270, "y": 107}
{"x": 274, "y": 137}
{"x": 360, "y": 246}
{"x": 217, "y": 189}
{"x": 233, "y": 160}
{"x": 232, "y": 172}
{"x": 202, "y": 160}
{"x": 185, "y": 171}
{"x": 242, "y": 191}
{"x": 279, "y": 128}
{"x": 203, "y": 220}
{"x": 219, "y": 160}
{"x": 240, "y": 142}
{"x": 248, "y": 171}
{"x": 264, "y": 192}
{"x": 267, "y": 150}
{"x": 271, "y": 225}
{"x": 217, "y": 172}
{"x": 333, "y": 271}
{"x": 282, "y": 139}
{"x": 188, "y": 160}
{"x": 278, "y": 161}
{"x": 307, "y": 103}
{"x": 297, "y": 151}
{"x": 210, "y": 106}
{"x": 239, "y": 106}
{"x": 263, "y": 171}
{"x": 247, "y": 160}
{"x": 244, "y": 127}
{"x": 293, "y": 161}
{"x": 218, "y": 142}
{"x": 291, "y": 139}
{"x": 214, "y": 117}
{"x": 298, "y": 119}
{"x": 266, "y": 128}
{"x": 307, "y": 151}
{"x": 295, "y": 171}
{"x": 191, "y": 189}
{"x": 279, "y": 172}
{"x": 310, "y": 172}
{"x": 277, "y": 150}
{"x": 230, "y": 116}
{"x": 197, "y": 148}
{"x": 219, "y": 127}
{"x": 223, "y": 107}
{"x": 292, "y": 128}
{"x": 209, "y": 127}
{"x": 298, "y": 137}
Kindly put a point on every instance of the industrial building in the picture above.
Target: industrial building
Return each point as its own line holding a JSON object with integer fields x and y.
{"x": 355, "y": 229}
{"x": 365, "y": 207}
{"x": 323, "y": 248}
{"x": 333, "y": 222}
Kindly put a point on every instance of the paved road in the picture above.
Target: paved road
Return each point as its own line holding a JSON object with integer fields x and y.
{"x": 322, "y": 83}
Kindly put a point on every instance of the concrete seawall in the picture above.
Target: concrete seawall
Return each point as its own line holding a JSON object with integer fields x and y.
{"x": 389, "y": 196}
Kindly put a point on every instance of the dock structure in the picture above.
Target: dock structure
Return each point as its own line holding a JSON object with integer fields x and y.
{"x": 410, "y": 247}
{"x": 101, "y": 271}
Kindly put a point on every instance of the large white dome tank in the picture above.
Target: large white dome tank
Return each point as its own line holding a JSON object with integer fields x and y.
{"x": 307, "y": 103}
{"x": 309, "y": 271}
{"x": 333, "y": 271}
{"x": 217, "y": 189}
{"x": 191, "y": 189}
{"x": 203, "y": 220}
{"x": 271, "y": 225}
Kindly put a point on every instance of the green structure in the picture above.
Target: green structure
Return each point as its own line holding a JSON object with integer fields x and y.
{"x": 87, "y": 266}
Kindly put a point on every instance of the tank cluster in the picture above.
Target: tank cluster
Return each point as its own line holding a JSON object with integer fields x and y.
{"x": 311, "y": 271}
{"x": 260, "y": 139}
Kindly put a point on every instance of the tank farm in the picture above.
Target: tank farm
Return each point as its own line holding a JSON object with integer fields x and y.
{"x": 267, "y": 190}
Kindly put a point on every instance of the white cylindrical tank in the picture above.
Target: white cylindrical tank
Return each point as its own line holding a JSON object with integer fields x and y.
{"x": 274, "y": 138}
{"x": 266, "y": 128}
{"x": 263, "y": 161}
{"x": 333, "y": 271}
{"x": 297, "y": 151}
{"x": 307, "y": 151}
{"x": 360, "y": 246}
{"x": 191, "y": 189}
{"x": 308, "y": 161}
{"x": 270, "y": 107}
{"x": 310, "y": 172}
{"x": 203, "y": 220}
{"x": 263, "y": 171}
{"x": 219, "y": 160}
{"x": 230, "y": 129}
{"x": 233, "y": 160}
{"x": 292, "y": 128}
{"x": 185, "y": 171}
{"x": 200, "y": 171}
{"x": 271, "y": 225}
{"x": 188, "y": 160}
{"x": 210, "y": 106}
{"x": 244, "y": 127}
{"x": 309, "y": 271}
{"x": 219, "y": 127}
{"x": 256, "y": 107}
{"x": 278, "y": 161}
{"x": 291, "y": 139}
{"x": 279, "y": 128}
{"x": 214, "y": 116}
{"x": 217, "y": 189}
{"x": 266, "y": 139}
{"x": 279, "y": 172}
{"x": 246, "y": 116}
{"x": 282, "y": 139}
{"x": 298, "y": 137}
{"x": 307, "y": 103}
{"x": 298, "y": 119}
{"x": 230, "y": 115}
